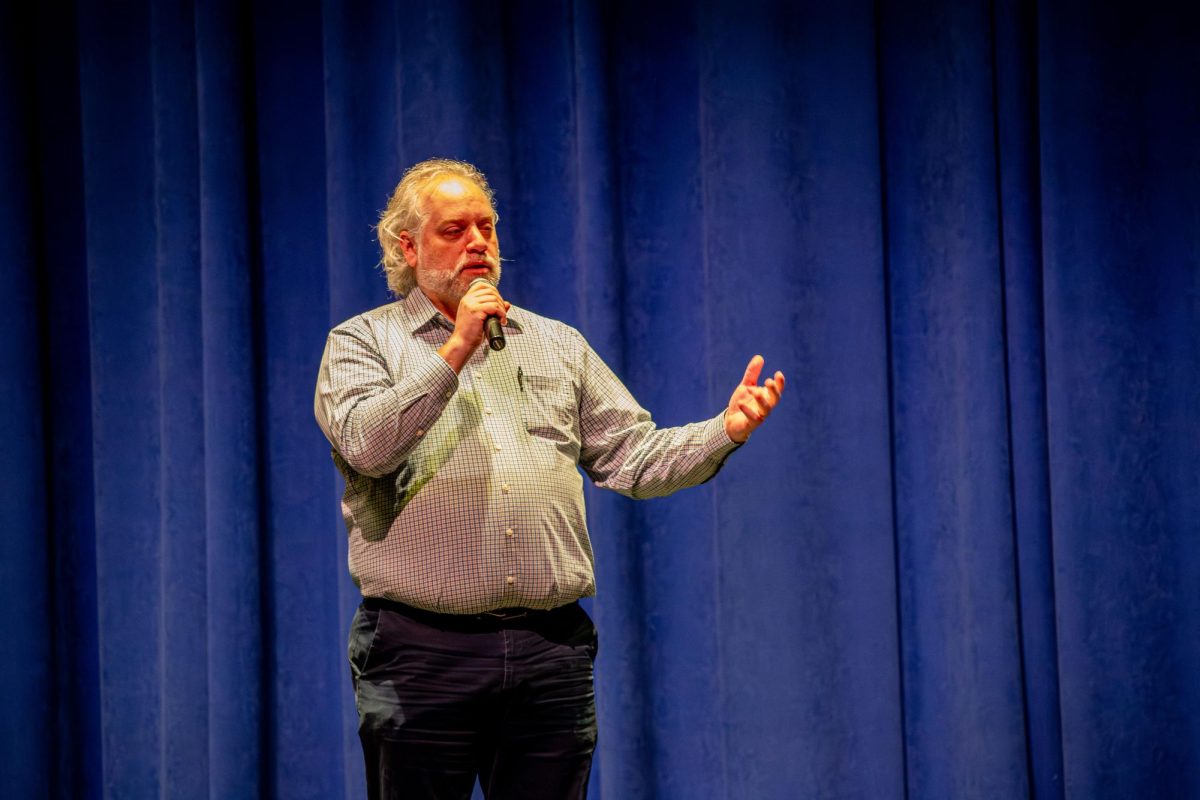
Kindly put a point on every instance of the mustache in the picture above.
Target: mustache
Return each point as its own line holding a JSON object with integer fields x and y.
{"x": 491, "y": 263}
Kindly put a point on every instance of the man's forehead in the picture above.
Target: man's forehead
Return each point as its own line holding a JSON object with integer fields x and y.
{"x": 452, "y": 186}
{"x": 455, "y": 197}
{"x": 444, "y": 189}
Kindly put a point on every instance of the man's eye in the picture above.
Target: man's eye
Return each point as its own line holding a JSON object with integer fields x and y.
{"x": 452, "y": 231}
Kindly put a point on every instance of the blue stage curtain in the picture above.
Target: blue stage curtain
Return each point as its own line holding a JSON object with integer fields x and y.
{"x": 962, "y": 558}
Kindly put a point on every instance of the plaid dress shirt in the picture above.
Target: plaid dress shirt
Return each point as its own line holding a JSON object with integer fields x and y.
{"x": 462, "y": 493}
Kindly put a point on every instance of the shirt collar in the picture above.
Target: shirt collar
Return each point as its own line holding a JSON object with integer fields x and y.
{"x": 420, "y": 314}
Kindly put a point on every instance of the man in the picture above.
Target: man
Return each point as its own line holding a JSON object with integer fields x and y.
{"x": 470, "y": 655}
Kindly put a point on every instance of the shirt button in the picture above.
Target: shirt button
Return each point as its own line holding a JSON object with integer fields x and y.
{"x": 506, "y": 488}
{"x": 510, "y": 580}
{"x": 510, "y": 532}
{"x": 497, "y": 448}
{"x": 487, "y": 411}
{"x": 447, "y": 395}
{"x": 420, "y": 432}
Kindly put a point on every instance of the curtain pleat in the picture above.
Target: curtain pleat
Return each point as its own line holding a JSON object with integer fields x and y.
{"x": 26, "y": 610}
{"x": 1120, "y": 245}
{"x": 950, "y": 439}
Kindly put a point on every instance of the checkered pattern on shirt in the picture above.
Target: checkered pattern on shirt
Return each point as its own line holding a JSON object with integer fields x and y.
{"x": 462, "y": 493}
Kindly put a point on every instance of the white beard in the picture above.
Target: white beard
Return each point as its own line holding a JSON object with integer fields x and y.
{"x": 451, "y": 288}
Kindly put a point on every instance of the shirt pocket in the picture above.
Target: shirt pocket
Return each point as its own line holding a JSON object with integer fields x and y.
{"x": 550, "y": 411}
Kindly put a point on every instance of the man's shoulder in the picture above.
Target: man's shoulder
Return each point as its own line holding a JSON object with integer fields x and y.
{"x": 388, "y": 313}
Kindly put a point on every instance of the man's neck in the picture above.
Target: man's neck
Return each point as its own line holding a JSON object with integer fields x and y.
{"x": 446, "y": 310}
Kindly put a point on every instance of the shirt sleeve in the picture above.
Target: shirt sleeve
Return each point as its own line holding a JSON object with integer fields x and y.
{"x": 623, "y": 450}
{"x": 371, "y": 420}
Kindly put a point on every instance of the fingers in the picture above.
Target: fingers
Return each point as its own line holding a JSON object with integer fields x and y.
{"x": 774, "y": 387}
{"x": 752, "y": 370}
{"x": 767, "y": 394}
{"x": 481, "y": 290}
{"x": 483, "y": 299}
{"x": 480, "y": 301}
{"x": 750, "y": 403}
{"x": 766, "y": 399}
{"x": 751, "y": 409}
{"x": 760, "y": 400}
{"x": 755, "y": 402}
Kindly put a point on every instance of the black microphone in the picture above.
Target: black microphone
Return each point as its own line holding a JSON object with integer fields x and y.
{"x": 491, "y": 325}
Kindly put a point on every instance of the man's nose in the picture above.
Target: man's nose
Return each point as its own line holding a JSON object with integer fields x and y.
{"x": 476, "y": 241}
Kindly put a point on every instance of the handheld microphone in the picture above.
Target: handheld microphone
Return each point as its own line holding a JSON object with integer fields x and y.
{"x": 491, "y": 325}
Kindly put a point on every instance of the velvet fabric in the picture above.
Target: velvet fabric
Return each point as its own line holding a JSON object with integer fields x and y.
{"x": 961, "y": 559}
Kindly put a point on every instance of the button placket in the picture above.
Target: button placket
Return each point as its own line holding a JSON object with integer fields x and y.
{"x": 500, "y": 418}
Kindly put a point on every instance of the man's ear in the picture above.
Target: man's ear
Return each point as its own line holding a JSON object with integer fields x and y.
{"x": 409, "y": 247}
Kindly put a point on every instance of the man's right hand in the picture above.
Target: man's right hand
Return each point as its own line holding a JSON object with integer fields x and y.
{"x": 481, "y": 301}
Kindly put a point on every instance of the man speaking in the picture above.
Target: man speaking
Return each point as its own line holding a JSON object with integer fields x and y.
{"x": 469, "y": 654}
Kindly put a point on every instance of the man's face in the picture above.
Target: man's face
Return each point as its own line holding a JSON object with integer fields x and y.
{"x": 457, "y": 245}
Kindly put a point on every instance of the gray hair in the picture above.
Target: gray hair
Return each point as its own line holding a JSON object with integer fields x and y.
{"x": 406, "y": 212}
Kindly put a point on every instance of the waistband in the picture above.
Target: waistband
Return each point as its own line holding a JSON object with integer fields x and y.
{"x": 484, "y": 620}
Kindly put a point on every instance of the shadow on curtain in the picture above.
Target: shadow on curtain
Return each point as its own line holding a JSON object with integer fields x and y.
{"x": 960, "y": 561}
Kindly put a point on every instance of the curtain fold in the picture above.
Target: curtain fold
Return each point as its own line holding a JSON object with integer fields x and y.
{"x": 225, "y": 223}
{"x": 959, "y": 561}
{"x": 26, "y": 622}
{"x": 951, "y": 457}
{"x": 1120, "y": 244}
{"x": 1014, "y": 48}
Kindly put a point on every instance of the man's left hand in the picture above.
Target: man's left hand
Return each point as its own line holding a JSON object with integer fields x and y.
{"x": 750, "y": 403}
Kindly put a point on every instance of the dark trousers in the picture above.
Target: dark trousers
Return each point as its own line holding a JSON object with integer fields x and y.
{"x": 445, "y": 698}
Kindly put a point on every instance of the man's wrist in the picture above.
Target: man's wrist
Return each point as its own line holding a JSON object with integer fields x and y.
{"x": 729, "y": 432}
{"x": 456, "y": 352}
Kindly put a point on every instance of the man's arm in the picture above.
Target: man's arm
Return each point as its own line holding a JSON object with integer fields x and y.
{"x": 370, "y": 420}
{"x": 623, "y": 450}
